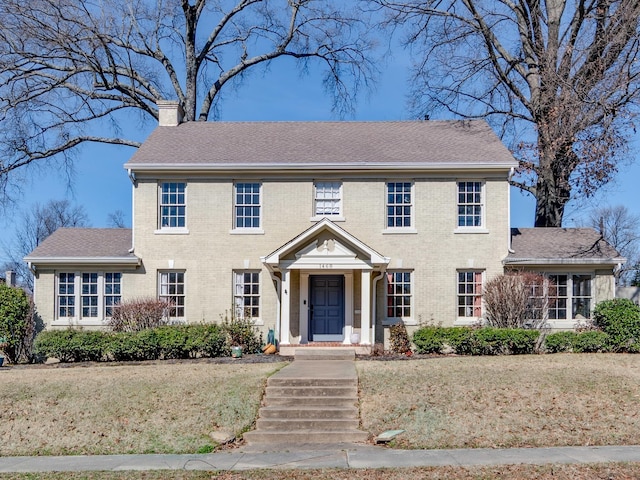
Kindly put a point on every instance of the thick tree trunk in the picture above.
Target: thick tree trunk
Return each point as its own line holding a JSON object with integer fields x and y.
{"x": 552, "y": 195}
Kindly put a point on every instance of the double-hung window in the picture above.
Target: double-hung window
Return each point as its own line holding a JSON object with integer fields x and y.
{"x": 88, "y": 296}
{"x": 171, "y": 290}
{"x": 469, "y": 294}
{"x": 399, "y": 205}
{"x": 470, "y": 205}
{"x": 399, "y": 295}
{"x": 246, "y": 294}
{"x": 328, "y": 199}
{"x": 112, "y": 292}
{"x": 247, "y": 206}
{"x": 172, "y": 205}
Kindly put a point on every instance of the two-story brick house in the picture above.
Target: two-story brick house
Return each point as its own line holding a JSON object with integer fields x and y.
{"x": 320, "y": 230}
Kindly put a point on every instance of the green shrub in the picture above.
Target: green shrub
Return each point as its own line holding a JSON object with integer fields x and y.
{"x": 127, "y": 346}
{"x": 207, "y": 340}
{"x": 429, "y": 339}
{"x": 476, "y": 341}
{"x": 72, "y": 345}
{"x": 591, "y": 342}
{"x": 241, "y": 331}
{"x": 620, "y": 319}
{"x": 559, "y": 342}
{"x": 17, "y": 325}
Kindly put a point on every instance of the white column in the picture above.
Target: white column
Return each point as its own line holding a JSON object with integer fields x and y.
{"x": 285, "y": 306}
{"x": 348, "y": 307}
{"x": 304, "y": 307}
{"x": 365, "y": 308}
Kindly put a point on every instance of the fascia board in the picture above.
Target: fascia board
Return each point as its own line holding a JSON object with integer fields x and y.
{"x": 437, "y": 166}
{"x": 134, "y": 261}
{"x": 564, "y": 261}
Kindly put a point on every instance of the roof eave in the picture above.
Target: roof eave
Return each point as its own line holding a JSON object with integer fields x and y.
{"x": 141, "y": 167}
{"x": 564, "y": 261}
{"x": 125, "y": 261}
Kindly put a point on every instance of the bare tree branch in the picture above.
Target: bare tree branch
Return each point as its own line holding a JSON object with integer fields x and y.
{"x": 71, "y": 69}
{"x": 560, "y": 79}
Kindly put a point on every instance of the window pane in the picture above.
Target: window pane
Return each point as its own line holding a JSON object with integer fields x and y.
{"x": 246, "y": 294}
{"x": 172, "y": 205}
{"x": 470, "y": 294}
{"x": 398, "y": 294}
{"x": 399, "y": 204}
{"x": 470, "y": 204}
{"x": 247, "y": 209}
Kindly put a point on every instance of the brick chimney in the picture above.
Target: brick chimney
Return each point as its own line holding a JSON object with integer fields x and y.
{"x": 169, "y": 113}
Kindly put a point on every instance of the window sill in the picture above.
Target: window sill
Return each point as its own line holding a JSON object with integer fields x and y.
{"x": 333, "y": 218}
{"x": 388, "y": 322}
{"x": 246, "y": 231}
{"x": 67, "y": 322}
{"x": 468, "y": 321}
{"x": 172, "y": 231}
{"x": 399, "y": 231}
{"x": 465, "y": 230}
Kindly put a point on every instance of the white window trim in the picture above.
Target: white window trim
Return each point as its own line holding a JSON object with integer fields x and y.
{"x": 570, "y": 321}
{"x": 465, "y": 321}
{"x": 482, "y": 228}
{"x": 78, "y": 319}
{"x": 334, "y": 218}
{"x": 160, "y": 230}
{"x": 173, "y": 320}
{"x": 400, "y": 230}
{"x": 256, "y": 320}
{"x": 247, "y": 230}
{"x": 411, "y": 320}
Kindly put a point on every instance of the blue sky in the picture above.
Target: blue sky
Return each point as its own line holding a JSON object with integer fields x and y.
{"x": 280, "y": 94}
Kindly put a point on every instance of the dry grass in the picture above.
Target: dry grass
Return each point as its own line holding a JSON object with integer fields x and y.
{"x": 512, "y": 472}
{"x": 148, "y": 408}
{"x": 516, "y": 401}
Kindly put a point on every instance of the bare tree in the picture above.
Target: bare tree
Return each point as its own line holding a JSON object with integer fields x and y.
{"x": 116, "y": 219}
{"x": 621, "y": 229}
{"x": 36, "y": 225}
{"x": 558, "y": 78}
{"x": 69, "y": 69}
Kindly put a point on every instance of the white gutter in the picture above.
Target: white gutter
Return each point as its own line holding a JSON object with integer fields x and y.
{"x": 134, "y": 184}
{"x": 562, "y": 261}
{"x": 82, "y": 261}
{"x": 318, "y": 166}
{"x": 374, "y": 313}
{"x": 511, "y": 173}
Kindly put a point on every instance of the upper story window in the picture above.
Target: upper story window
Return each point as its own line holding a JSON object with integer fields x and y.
{"x": 172, "y": 205}
{"x": 399, "y": 205}
{"x": 328, "y": 199}
{"x": 247, "y": 206}
{"x": 470, "y": 204}
{"x": 171, "y": 290}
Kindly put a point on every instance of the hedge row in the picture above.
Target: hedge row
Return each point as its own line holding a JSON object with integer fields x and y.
{"x": 505, "y": 341}
{"x": 176, "y": 341}
{"x": 476, "y": 341}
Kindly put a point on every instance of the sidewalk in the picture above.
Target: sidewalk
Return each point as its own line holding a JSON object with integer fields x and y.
{"x": 323, "y": 456}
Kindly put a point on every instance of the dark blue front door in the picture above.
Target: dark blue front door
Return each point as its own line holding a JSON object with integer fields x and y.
{"x": 326, "y": 294}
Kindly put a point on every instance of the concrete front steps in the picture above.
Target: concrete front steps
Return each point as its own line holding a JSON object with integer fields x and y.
{"x": 312, "y": 400}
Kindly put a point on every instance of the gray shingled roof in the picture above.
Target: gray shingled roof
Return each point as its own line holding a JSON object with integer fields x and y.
{"x": 84, "y": 243}
{"x": 304, "y": 144}
{"x": 560, "y": 245}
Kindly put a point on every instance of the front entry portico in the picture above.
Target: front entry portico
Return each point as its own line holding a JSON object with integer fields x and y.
{"x": 317, "y": 273}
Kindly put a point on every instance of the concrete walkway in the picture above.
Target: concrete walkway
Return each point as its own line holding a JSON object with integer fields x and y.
{"x": 325, "y": 456}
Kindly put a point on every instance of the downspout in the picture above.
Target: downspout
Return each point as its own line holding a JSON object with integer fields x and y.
{"x": 511, "y": 173}
{"x": 374, "y": 301}
{"x": 278, "y": 283}
{"x": 134, "y": 183}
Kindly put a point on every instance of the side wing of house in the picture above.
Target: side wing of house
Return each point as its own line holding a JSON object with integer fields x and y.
{"x": 81, "y": 274}
{"x": 578, "y": 263}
